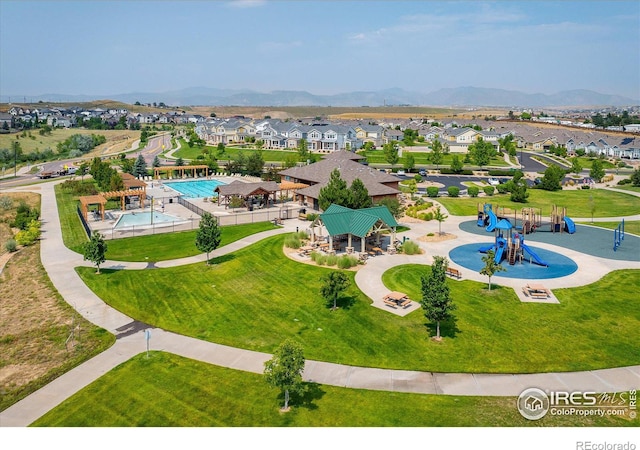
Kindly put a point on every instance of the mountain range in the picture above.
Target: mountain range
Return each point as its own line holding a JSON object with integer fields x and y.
{"x": 449, "y": 97}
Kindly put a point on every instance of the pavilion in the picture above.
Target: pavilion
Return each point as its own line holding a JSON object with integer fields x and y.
{"x": 362, "y": 223}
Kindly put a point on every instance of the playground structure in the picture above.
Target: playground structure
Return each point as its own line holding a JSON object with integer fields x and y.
{"x": 618, "y": 235}
{"x": 530, "y": 218}
{"x": 510, "y": 246}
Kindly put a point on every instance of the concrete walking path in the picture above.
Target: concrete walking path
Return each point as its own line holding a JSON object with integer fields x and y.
{"x": 59, "y": 262}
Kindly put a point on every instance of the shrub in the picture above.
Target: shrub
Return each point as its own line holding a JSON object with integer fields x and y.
{"x": 293, "y": 241}
{"x": 11, "y": 245}
{"x": 448, "y": 171}
{"x": 502, "y": 188}
{"x": 500, "y": 172}
{"x": 624, "y": 181}
{"x": 347, "y": 261}
{"x": 490, "y": 190}
{"x": 6, "y": 202}
{"x": 473, "y": 191}
{"x": 453, "y": 191}
{"x": 426, "y": 216}
{"x": 312, "y": 216}
{"x": 332, "y": 260}
{"x": 432, "y": 191}
{"x": 320, "y": 259}
{"x": 410, "y": 248}
{"x": 585, "y": 186}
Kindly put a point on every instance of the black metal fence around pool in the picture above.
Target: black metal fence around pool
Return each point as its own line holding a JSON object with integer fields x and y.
{"x": 192, "y": 223}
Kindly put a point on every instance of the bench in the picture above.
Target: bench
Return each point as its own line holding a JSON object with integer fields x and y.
{"x": 405, "y": 303}
{"x": 390, "y": 303}
{"x": 454, "y": 273}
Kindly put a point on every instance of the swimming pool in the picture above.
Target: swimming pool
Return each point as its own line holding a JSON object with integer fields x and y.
{"x": 469, "y": 257}
{"x": 144, "y": 218}
{"x": 195, "y": 188}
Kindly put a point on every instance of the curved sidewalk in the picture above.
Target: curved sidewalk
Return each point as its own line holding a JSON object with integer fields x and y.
{"x": 59, "y": 262}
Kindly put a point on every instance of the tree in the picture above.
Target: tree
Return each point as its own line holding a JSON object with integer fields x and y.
{"x": 303, "y": 150}
{"x": 115, "y": 182}
{"x": 334, "y": 284}
{"x": 95, "y": 250}
{"x": 507, "y": 144}
{"x": 255, "y": 164}
{"x": 140, "y": 167}
{"x": 393, "y": 205}
{"x": 436, "y": 154}
{"x": 436, "y": 301}
{"x": 552, "y": 179}
{"x": 208, "y": 235}
{"x": 359, "y": 197}
{"x": 597, "y": 171}
{"x": 156, "y": 162}
{"x": 576, "y": 167}
{"x": 518, "y": 188}
{"x": 284, "y": 370}
{"x": 180, "y": 162}
{"x": 490, "y": 266}
{"x": 83, "y": 169}
{"x": 481, "y": 152}
{"x": 440, "y": 216}
{"x": 390, "y": 150}
{"x": 456, "y": 164}
{"x": 635, "y": 177}
{"x": 334, "y": 192}
{"x": 409, "y": 162}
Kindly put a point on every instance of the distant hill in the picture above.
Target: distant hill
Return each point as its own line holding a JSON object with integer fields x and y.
{"x": 456, "y": 97}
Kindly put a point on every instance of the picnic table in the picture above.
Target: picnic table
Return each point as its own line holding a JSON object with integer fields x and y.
{"x": 536, "y": 290}
{"x": 397, "y": 298}
{"x": 378, "y": 250}
{"x": 306, "y": 249}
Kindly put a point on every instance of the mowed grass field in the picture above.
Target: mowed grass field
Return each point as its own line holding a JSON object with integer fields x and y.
{"x": 607, "y": 203}
{"x": 166, "y": 390}
{"x": 257, "y": 297}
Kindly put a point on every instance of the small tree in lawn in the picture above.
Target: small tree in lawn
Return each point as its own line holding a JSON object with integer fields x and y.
{"x": 208, "y": 236}
{"x": 285, "y": 369}
{"x": 95, "y": 249}
{"x": 436, "y": 301}
{"x": 334, "y": 284}
{"x": 440, "y": 217}
{"x": 490, "y": 266}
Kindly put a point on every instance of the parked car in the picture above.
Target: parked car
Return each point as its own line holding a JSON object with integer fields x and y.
{"x": 401, "y": 173}
{"x": 493, "y": 181}
{"x": 423, "y": 173}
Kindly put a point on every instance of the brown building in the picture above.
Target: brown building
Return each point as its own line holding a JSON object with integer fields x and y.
{"x": 379, "y": 184}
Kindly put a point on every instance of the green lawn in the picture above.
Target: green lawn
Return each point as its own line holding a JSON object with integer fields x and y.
{"x": 586, "y": 162}
{"x": 162, "y": 247}
{"x": 192, "y": 153}
{"x": 607, "y": 203}
{"x": 257, "y": 297}
{"x": 73, "y": 234}
{"x": 166, "y": 390}
{"x": 627, "y": 187}
{"x": 630, "y": 226}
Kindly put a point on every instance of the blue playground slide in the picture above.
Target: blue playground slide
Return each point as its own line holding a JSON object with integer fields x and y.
{"x": 486, "y": 248}
{"x": 571, "y": 227}
{"x": 493, "y": 221}
{"x": 498, "y": 257}
{"x": 534, "y": 255}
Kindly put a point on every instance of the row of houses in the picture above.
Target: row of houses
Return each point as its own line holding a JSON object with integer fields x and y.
{"x": 68, "y": 117}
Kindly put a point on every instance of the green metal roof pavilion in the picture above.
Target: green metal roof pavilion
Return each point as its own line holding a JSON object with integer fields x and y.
{"x": 358, "y": 222}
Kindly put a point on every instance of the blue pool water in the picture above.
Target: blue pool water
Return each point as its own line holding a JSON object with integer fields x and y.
{"x": 144, "y": 218}
{"x": 469, "y": 257}
{"x": 195, "y": 188}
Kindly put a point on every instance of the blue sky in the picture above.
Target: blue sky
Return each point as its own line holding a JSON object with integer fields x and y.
{"x": 324, "y": 47}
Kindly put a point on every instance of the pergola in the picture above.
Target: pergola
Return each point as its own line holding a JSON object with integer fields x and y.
{"x": 356, "y": 222}
{"x": 158, "y": 170}
{"x": 140, "y": 193}
{"x": 89, "y": 200}
{"x": 246, "y": 190}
